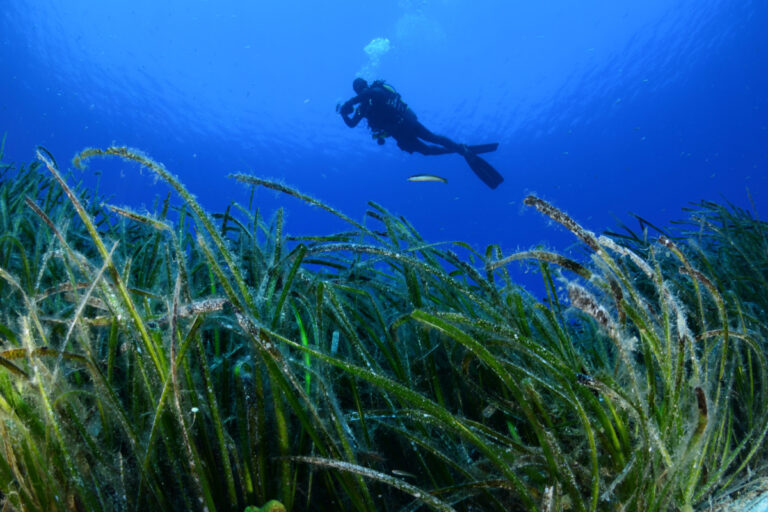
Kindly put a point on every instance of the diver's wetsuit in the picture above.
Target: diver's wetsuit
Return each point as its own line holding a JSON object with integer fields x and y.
{"x": 388, "y": 115}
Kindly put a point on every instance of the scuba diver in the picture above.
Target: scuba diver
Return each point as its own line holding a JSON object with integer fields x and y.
{"x": 389, "y": 116}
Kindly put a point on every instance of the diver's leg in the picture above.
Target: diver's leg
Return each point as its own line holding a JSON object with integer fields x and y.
{"x": 448, "y": 145}
{"x": 427, "y": 149}
{"x": 477, "y": 149}
{"x": 414, "y": 145}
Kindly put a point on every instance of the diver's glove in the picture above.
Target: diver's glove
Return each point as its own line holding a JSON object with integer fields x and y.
{"x": 345, "y": 109}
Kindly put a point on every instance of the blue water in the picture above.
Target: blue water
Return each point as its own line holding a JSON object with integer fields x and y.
{"x": 601, "y": 107}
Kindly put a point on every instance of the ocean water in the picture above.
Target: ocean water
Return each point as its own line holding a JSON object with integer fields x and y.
{"x": 603, "y": 108}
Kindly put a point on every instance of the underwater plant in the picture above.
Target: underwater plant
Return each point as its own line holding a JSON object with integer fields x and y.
{"x": 212, "y": 362}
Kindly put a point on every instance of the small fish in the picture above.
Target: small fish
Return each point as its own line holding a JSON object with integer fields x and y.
{"x": 427, "y": 177}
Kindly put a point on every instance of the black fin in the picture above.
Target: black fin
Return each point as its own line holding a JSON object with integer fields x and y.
{"x": 484, "y": 171}
{"x": 483, "y": 148}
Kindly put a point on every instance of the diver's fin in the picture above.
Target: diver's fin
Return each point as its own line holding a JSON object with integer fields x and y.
{"x": 484, "y": 171}
{"x": 483, "y": 148}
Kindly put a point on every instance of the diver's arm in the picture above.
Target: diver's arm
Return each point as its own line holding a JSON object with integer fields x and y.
{"x": 352, "y": 121}
{"x": 346, "y": 109}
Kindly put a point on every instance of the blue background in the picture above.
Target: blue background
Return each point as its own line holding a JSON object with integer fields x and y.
{"x": 602, "y": 107}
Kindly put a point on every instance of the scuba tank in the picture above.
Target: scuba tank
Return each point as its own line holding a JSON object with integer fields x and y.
{"x": 394, "y": 101}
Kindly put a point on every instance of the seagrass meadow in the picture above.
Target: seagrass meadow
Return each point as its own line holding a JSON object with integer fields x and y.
{"x": 211, "y": 362}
